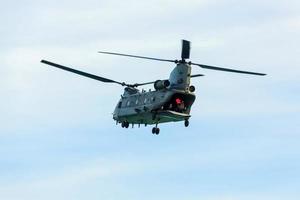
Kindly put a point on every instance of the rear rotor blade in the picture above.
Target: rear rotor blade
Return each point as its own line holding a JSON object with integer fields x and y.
{"x": 98, "y": 78}
{"x": 196, "y": 75}
{"x": 134, "y": 56}
{"x": 228, "y": 69}
{"x": 185, "y": 50}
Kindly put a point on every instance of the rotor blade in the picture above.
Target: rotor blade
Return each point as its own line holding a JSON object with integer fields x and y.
{"x": 196, "y": 75}
{"x": 98, "y": 78}
{"x": 185, "y": 50}
{"x": 228, "y": 70}
{"x": 134, "y": 56}
{"x": 140, "y": 84}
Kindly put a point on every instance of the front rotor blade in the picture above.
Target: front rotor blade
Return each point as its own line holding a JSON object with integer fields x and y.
{"x": 98, "y": 78}
{"x": 134, "y": 56}
{"x": 140, "y": 84}
{"x": 228, "y": 69}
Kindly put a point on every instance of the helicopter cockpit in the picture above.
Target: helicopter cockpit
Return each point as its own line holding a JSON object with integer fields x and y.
{"x": 130, "y": 91}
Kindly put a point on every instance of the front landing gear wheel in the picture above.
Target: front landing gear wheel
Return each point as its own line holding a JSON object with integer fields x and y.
{"x": 126, "y": 124}
{"x": 186, "y": 123}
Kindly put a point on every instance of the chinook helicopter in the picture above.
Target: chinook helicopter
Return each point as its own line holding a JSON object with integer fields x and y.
{"x": 171, "y": 101}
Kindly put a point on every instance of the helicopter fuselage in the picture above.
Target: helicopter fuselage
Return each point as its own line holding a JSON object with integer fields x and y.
{"x": 153, "y": 107}
{"x": 166, "y": 104}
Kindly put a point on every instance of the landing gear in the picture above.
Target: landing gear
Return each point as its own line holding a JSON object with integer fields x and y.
{"x": 125, "y": 124}
{"x": 155, "y": 130}
{"x": 186, "y": 123}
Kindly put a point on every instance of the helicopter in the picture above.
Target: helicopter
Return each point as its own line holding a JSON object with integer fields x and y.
{"x": 172, "y": 99}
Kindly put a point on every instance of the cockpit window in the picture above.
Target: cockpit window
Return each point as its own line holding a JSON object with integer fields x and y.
{"x": 120, "y": 104}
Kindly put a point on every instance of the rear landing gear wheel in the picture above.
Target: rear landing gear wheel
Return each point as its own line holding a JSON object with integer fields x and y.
{"x": 155, "y": 130}
{"x": 186, "y": 123}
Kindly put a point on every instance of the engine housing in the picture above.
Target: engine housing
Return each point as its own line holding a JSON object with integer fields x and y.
{"x": 161, "y": 84}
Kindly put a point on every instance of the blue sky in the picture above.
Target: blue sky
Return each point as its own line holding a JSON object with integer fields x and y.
{"x": 57, "y": 136}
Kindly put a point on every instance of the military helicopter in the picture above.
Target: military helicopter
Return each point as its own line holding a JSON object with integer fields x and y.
{"x": 171, "y": 101}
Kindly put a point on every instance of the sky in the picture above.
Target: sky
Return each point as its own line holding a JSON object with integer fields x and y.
{"x": 58, "y": 139}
